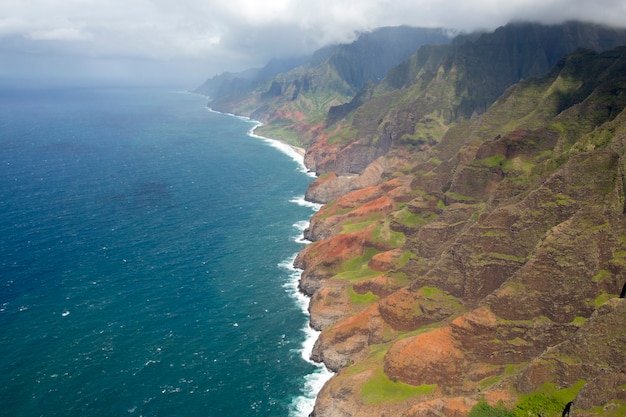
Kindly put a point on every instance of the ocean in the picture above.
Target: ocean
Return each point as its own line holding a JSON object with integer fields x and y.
{"x": 146, "y": 249}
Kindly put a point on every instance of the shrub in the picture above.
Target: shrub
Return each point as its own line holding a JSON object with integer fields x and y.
{"x": 482, "y": 409}
{"x": 539, "y": 405}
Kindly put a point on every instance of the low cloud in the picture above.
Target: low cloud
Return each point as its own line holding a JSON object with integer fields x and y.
{"x": 59, "y": 34}
{"x": 216, "y": 35}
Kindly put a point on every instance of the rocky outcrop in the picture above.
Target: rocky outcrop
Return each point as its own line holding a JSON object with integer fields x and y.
{"x": 429, "y": 358}
{"x": 354, "y": 207}
{"x": 330, "y": 186}
{"x": 320, "y": 260}
{"x": 347, "y": 342}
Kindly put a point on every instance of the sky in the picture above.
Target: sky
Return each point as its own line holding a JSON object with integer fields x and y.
{"x": 187, "y": 41}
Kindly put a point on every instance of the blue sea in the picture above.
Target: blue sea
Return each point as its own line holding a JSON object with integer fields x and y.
{"x": 146, "y": 249}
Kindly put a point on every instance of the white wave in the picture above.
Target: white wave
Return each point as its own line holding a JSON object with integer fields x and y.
{"x": 285, "y": 148}
{"x": 291, "y": 286}
{"x": 299, "y": 200}
{"x": 232, "y": 115}
{"x": 303, "y": 405}
{"x": 301, "y": 227}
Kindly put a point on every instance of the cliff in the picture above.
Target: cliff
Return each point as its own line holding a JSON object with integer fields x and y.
{"x": 486, "y": 270}
{"x": 470, "y": 258}
{"x": 418, "y": 101}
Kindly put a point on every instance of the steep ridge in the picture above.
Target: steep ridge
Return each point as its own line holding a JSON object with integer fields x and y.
{"x": 294, "y": 103}
{"x": 485, "y": 272}
{"x": 415, "y": 105}
{"x": 230, "y": 84}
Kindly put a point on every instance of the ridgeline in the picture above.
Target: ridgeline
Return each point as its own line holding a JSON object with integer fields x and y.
{"x": 470, "y": 258}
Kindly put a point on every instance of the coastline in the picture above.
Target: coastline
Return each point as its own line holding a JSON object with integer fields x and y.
{"x": 280, "y": 144}
{"x": 196, "y": 338}
{"x": 303, "y": 405}
{"x": 295, "y": 152}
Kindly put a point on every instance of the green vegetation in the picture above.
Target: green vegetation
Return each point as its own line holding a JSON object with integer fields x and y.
{"x": 331, "y": 209}
{"x": 509, "y": 370}
{"x": 343, "y": 136}
{"x": 482, "y": 409}
{"x": 492, "y": 161}
{"x": 404, "y": 259}
{"x": 505, "y": 257}
{"x": 349, "y": 227}
{"x": 356, "y": 269}
{"x": 407, "y": 218}
{"x": 358, "y": 261}
{"x": 400, "y": 278}
{"x": 539, "y": 405}
{"x": 360, "y": 299}
{"x": 380, "y": 389}
{"x": 489, "y": 381}
{"x": 619, "y": 258}
{"x": 613, "y": 409}
{"x": 602, "y": 298}
{"x": 280, "y": 130}
{"x": 547, "y": 401}
{"x": 459, "y": 197}
{"x": 436, "y": 299}
{"x": 374, "y": 360}
{"x": 563, "y": 200}
{"x": 383, "y": 234}
{"x": 431, "y": 292}
{"x": 429, "y": 131}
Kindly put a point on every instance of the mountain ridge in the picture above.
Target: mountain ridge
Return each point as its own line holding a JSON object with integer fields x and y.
{"x": 470, "y": 255}
{"x": 453, "y": 83}
{"x": 543, "y": 196}
{"x": 292, "y": 102}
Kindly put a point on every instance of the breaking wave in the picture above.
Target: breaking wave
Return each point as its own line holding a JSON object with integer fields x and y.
{"x": 302, "y": 405}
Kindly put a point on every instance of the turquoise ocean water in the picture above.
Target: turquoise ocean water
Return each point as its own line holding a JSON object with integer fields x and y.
{"x": 145, "y": 259}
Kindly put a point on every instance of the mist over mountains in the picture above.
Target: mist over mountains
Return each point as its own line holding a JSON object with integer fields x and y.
{"x": 345, "y": 67}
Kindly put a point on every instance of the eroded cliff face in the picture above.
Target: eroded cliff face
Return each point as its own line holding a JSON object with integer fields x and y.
{"x": 485, "y": 267}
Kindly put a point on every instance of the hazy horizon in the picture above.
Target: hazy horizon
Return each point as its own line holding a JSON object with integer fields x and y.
{"x": 184, "y": 43}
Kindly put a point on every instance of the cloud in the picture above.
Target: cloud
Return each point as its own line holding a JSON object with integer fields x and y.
{"x": 59, "y": 34}
{"x": 217, "y": 35}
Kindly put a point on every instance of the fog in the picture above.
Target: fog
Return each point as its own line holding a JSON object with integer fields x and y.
{"x": 185, "y": 41}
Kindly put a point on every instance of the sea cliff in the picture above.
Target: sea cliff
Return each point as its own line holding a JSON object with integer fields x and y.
{"x": 470, "y": 256}
{"x": 485, "y": 271}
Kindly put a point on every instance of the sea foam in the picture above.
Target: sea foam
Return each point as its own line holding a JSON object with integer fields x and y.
{"x": 285, "y": 148}
{"x": 302, "y": 406}
{"x": 299, "y": 200}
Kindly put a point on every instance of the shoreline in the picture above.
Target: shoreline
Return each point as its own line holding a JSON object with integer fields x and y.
{"x": 303, "y": 405}
{"x": 298, "y": 149}
{"x": 295, "y": 152}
